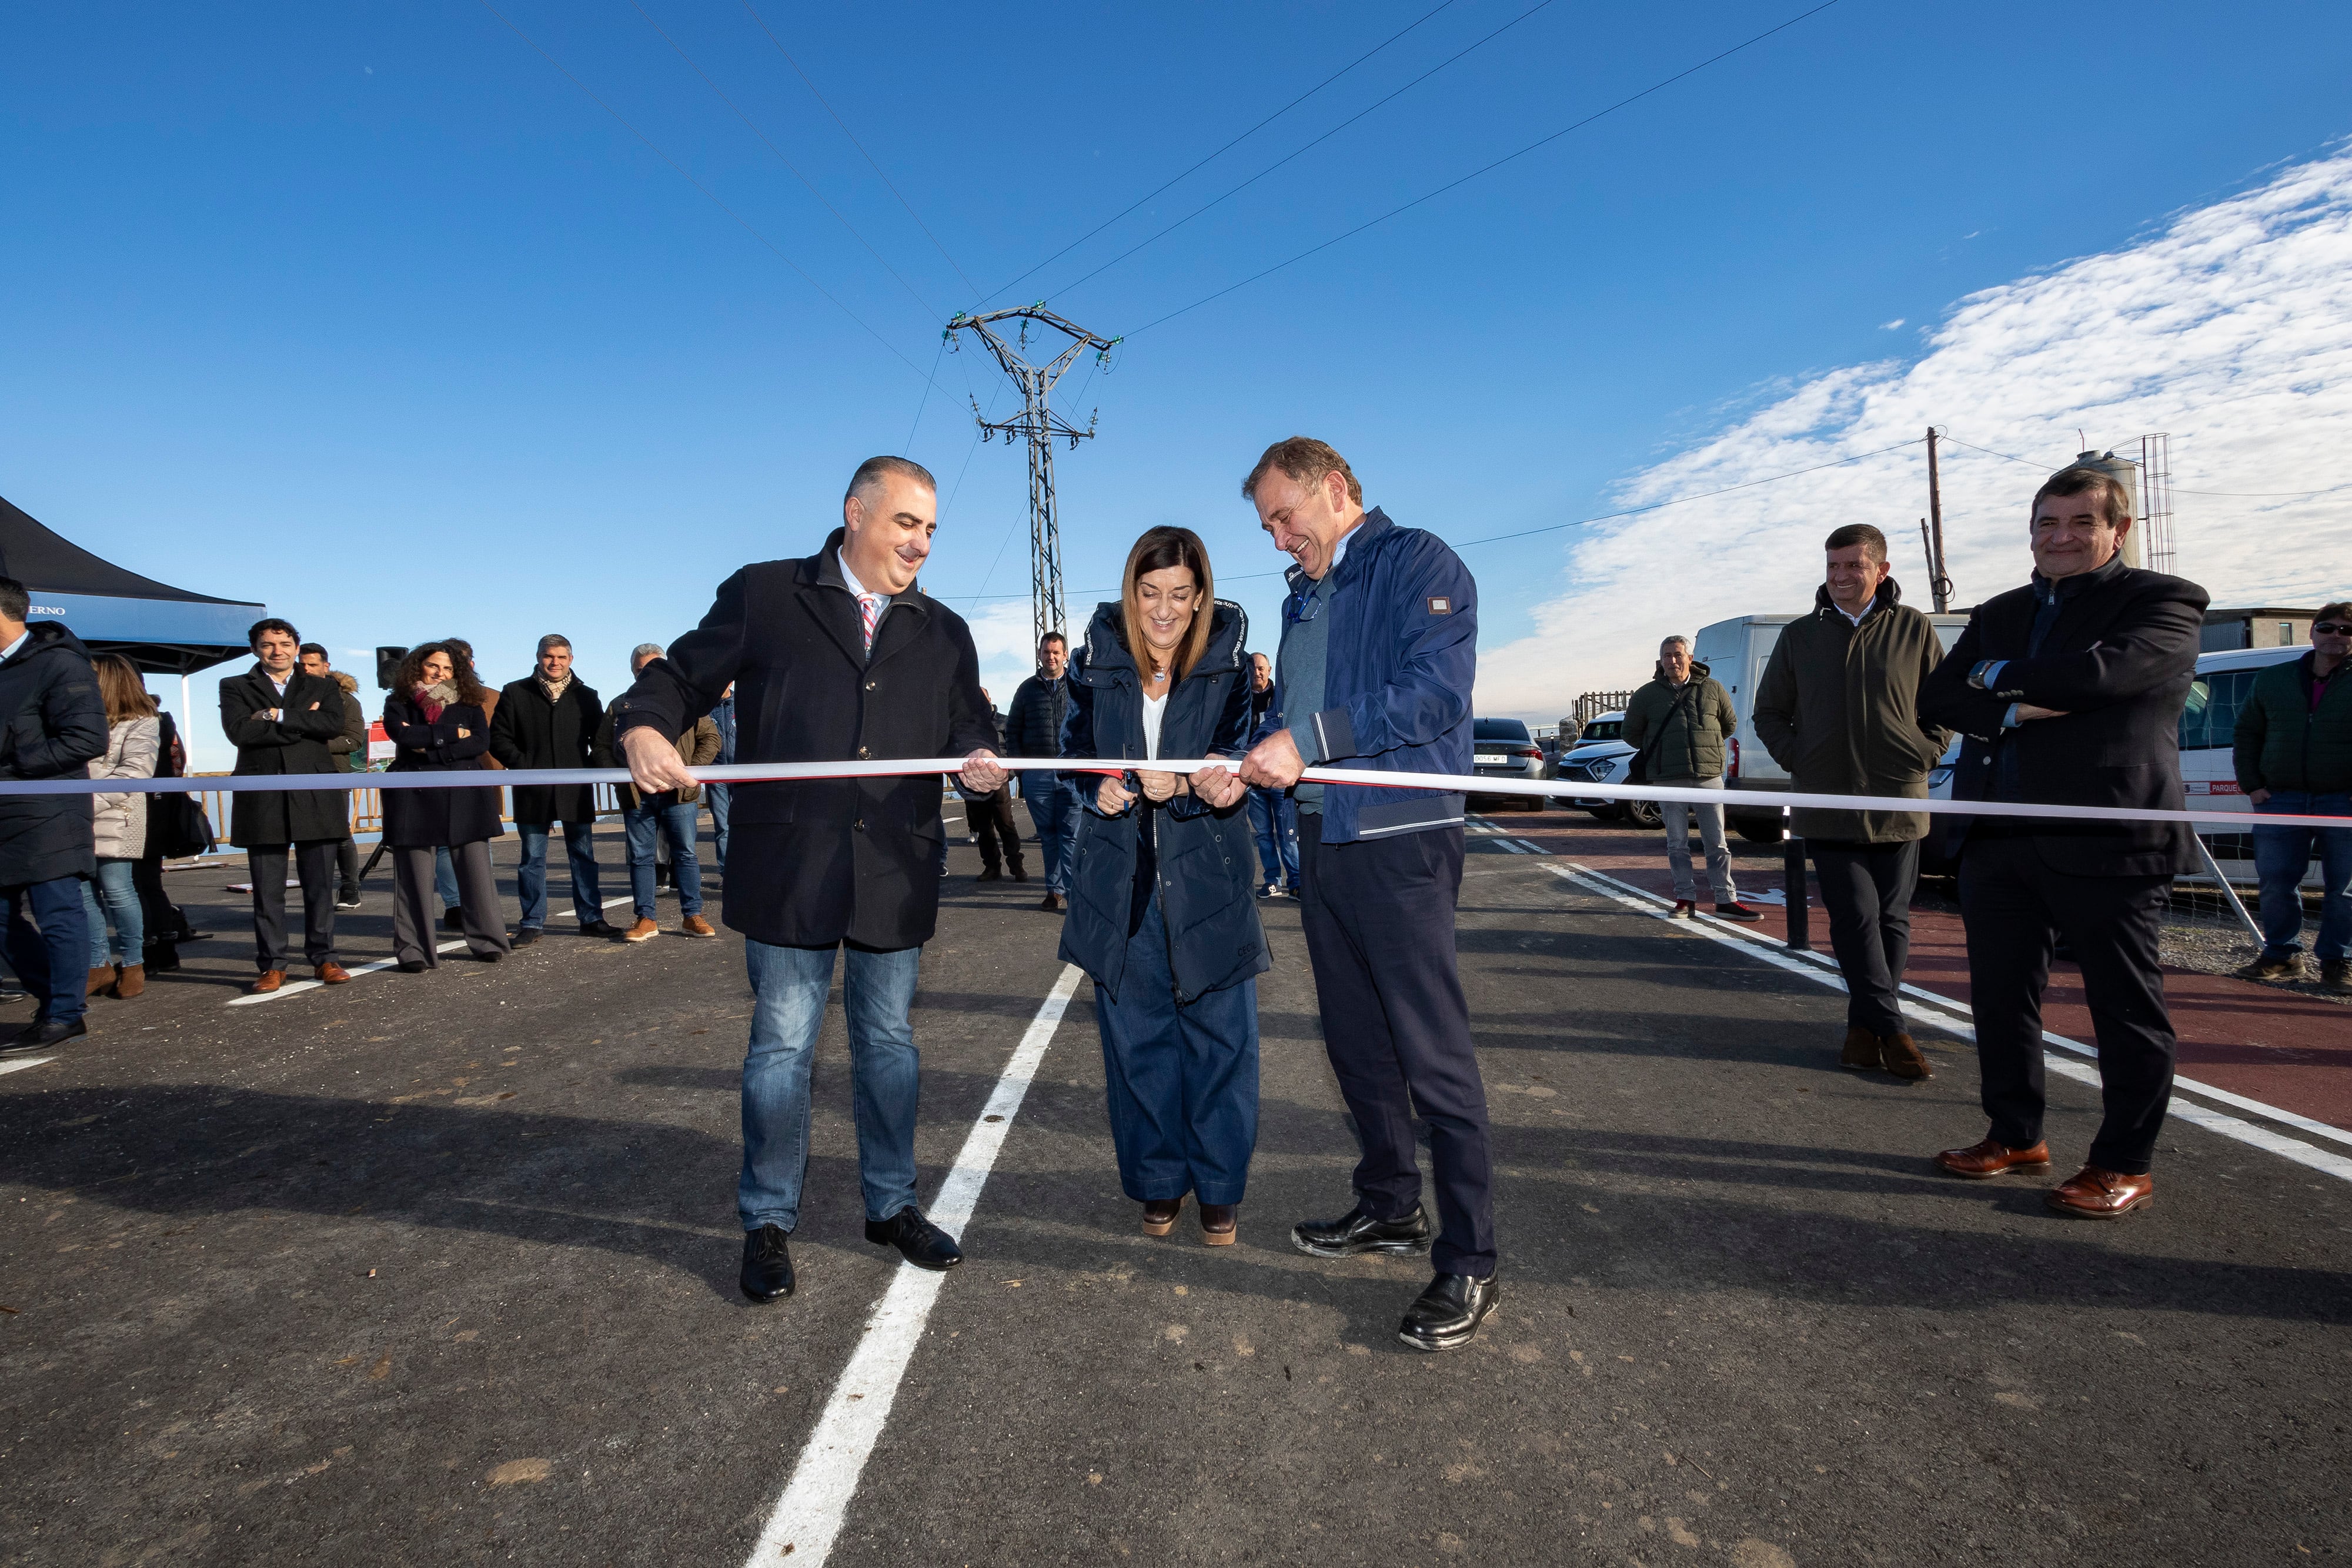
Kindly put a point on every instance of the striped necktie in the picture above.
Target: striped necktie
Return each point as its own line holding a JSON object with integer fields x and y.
{"x": 869, "y": 611}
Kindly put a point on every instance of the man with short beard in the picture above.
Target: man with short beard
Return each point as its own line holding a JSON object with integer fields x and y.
{"x": 550, "y": 718}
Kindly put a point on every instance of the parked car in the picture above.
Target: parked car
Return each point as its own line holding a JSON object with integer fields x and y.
{"x": 1504, "y": 749}
{"x": 1600, "y": 756}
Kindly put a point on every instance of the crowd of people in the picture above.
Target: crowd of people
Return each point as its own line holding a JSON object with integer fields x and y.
{"x": 2066, "y": 691}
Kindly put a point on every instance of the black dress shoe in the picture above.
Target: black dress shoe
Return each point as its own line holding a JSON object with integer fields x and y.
{"x": 1446, "y": 1315}
{"x": 453, "y": 920}
{"x": 921, "y": 1242}
{"x": 43, "y": 1033}
{"x": 1357, "y": 1231}
{"x": 1020, "y": 874}
{"x": 604, "y": 928}
{"x": 989, "y": 873}
{"x": 526, "y": 936}
{"x": 767, "y": 1265}
{"x": 413, "y": 965}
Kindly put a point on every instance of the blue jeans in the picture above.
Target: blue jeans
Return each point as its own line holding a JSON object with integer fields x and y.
{"x": 720, "y": 803}
{"x": 679, "y": 824}
{"x": 48, "y": 944}
{"x": 1054, "y": 812}
{"x": 112, "y": 894}
{"x": 1273, "y": 816}
{"x": 530, "y": 877}
{"x": 2280, "y": 854}
{"x": 445, "y": 877}
{"x": 789, "y": 986}
{"x": 1181, "y": 1081}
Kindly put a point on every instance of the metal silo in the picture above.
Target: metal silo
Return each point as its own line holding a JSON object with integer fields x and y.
{"x": 2123, "y": 471}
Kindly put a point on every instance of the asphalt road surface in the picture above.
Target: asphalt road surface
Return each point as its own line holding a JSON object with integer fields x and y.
{"x": 441, "y": 1268}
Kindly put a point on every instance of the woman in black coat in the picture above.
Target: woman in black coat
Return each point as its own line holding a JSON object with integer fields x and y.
{"x": 1161, "y": 914}
{"x": 434, "y": 718}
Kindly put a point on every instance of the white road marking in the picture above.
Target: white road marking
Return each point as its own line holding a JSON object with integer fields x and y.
{"x": 295, "y": 988}
{"x": 28, "y": 1061}
{"x": 1939, "y": 1012}
{"x": 808, "y": 1516}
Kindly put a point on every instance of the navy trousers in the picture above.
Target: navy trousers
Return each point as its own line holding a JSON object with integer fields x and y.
{"x": 1181, "y": 1079}
{"x": 1379, "y": 918}
{"x": 48, "y": 944}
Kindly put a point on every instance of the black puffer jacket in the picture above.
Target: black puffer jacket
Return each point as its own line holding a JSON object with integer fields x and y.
{"x": 56, "y": 722}
{"x": 1201, "y": 859}
{"x": 1034, "y": 728}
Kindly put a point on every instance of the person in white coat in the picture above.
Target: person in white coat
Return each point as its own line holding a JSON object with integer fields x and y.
{"x": 133, "y": 738}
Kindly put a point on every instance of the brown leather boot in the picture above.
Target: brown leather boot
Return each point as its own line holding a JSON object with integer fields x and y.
{"x": 1904, "y": 1058}
{"x": 1220, "y": 1224}
{"x": 1861, "y": 1051}
{"x": 1159, "y": 1214}
{"x": 102, "y": 980}
{"x": 131, "y": 980}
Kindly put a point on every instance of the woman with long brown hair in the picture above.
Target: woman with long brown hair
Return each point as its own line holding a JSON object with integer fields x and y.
{"x": 435, "y": 719}
{"x": 1161, "y": 908}
{"x": 134, "y": 738}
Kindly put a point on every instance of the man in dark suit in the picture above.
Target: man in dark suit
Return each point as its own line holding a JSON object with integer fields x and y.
{"x": 280, "y": 721}
{"x": 551, "y": 719}
{"x": 837, "y": 657}
{"x": 2070, "y": 691}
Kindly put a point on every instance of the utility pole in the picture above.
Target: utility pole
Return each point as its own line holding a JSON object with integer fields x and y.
{"x": 1937, "y": 582}
{"x": 1041, "y": 426}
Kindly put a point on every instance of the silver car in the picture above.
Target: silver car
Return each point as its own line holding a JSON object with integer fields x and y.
{"x": 1600, "y": 757}
{"x": 1505, "y": 749}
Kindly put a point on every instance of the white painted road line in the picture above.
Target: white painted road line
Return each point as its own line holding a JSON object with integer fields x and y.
{"x": 1951, "y": 1016}
{"x": 808, "y": 1516}
{"x": 27, "y": 1062}
{"x": 295, "y": 988}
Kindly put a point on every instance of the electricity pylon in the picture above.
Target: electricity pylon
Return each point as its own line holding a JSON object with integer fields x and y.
{"x": 1039, "y": 423}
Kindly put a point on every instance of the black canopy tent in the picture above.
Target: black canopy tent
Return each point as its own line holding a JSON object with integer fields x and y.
{"x": 165, "y": 631}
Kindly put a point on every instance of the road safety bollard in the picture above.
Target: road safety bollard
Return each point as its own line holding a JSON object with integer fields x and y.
{"x": 1793, "y": 877}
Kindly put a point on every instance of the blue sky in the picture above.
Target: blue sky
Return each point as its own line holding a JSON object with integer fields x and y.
{"x": 367, "y": 311}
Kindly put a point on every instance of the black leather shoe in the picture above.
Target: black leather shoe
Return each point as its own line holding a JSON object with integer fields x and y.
{"x": 526, "y": 936}
{"x": 921, "y": 1242}
{"x": 605, "y": 928}
{"x": 43, "y": 1033}
{"x": 1357, "y": 1231}
{"x": 453, "y": 920}
{"x": 767, "y": 1265}
{"x": 989, "y": 873}
{"x": 1446, "y": 1315}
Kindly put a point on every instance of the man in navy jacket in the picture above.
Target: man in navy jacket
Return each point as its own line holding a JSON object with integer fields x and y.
{"x": 1380, "y": 646}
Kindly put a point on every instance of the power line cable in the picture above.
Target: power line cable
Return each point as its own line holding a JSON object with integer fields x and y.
{"x": 923, "y": 304}
{"x": 1212, "y": 157}
{"x": 1489, "y": 169}
{"x": 706, "y": 192}
{"x": 1288, "y": 157}
{"x": 870, "y": 164}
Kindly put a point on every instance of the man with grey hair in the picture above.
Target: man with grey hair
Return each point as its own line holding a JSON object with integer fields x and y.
{"x": 674, "y": 813}
{"x": 550, "y": 718}
{"x": 1677, "y": 725}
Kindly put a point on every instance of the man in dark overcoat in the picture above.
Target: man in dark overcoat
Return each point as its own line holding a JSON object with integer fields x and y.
{"x": 2070, "y": 691}
{"x": 838, "y": 656}
{"x": 550, "y": 718}
{"x": 281, "y": 720}
{"x": 55, "y": 723}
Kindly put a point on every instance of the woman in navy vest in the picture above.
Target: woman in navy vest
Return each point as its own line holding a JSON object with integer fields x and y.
{"x": 1161, "y": 908}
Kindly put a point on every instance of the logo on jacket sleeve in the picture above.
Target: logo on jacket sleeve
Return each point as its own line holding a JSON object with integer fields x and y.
{"x": 1441, "y": 606}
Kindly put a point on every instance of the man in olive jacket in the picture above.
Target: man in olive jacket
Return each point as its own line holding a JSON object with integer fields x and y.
{"x": 2293, "y": 753}
{"x": 1838, "y": 707}
{"x": 52, "y": 722}
{"x": 1677, "y": 724}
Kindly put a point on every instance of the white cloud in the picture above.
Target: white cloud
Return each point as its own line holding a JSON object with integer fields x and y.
{"x": 1000, "y": 634}
{"x": 1890, "y": 326}
{"x": 2230, "y": 328}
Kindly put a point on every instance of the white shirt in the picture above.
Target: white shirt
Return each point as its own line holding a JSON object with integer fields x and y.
{"x": 1855, "y": 619}
{"x": 849, "y": 580}
{"x": 10, "y": 651}
{"x": 1152, "y": 708}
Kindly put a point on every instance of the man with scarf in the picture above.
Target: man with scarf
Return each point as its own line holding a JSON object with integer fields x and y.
{"x": 550, "y": 718}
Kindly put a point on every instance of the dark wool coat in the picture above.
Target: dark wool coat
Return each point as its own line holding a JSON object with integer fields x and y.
{"x": 811, "y": 862}
{"x": 1839, "y": 708}
{"x": 2283, "y": 742}
{"x": 1202, "y": 860}
{"x": 528, "y": 731}
{"x": 414, "y": 818}
{"x": 313, "y": 706}
{"x": 55, "y": 723}
{"x": 2116, "y": 663}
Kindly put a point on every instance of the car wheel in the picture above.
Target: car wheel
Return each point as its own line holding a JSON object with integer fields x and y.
{"x": 1645, "y": 813}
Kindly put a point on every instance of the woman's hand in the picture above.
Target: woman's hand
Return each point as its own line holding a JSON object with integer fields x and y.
{"x": 464, "y": 733}
{"x": 1113, "y": 797}
{"x": 1156, "y": 787}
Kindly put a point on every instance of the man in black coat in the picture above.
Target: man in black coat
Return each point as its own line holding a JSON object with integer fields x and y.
{"x": 836, "y": 657}
{"x": 2070, "y": 691}
{"x": 56, "y": 722}
{"x": 1034, "y": 728}
{"x": 281, "y": 721}
{"x": 550, "y": 719}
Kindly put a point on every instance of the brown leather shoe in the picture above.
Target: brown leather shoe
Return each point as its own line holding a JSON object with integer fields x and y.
{"x": 1861, "y": 1053}
{"x": 696, "y": 925}
{"x": 1159, "y": 1214}
{"x": 1902, "y": 1058}
{"x": 1220, "y": 1223}
{"x": 1992, "y": 1158}
{"x": 266, "y": 981}
{"x": 333, "y": 974}
{"x": 2094, "y": 1194}
{"x": 645, "y": 930}
{"x": 131, "y": 980}
{"x": 100, "y": 981}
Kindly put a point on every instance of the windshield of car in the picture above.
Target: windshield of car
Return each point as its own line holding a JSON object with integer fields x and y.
{"x": 1509, "y": 730}
{"x": 1602, "y": 729}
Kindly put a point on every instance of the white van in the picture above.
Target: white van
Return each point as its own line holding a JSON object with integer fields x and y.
{"x": 2208, "y": 726}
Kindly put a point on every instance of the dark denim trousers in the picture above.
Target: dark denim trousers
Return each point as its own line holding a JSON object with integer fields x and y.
{"x": 789, "y": 986}
{"x": 1273, "y": 817}
{"x": 530, "y": 877}
{"x": 1054, "y": 812}
{"x": 721, "y": 801}
{"x": 48, "y": 944}
{"x": 2281, "y": 855}
{"x": 1181, "y": 1080}
{"x": 1866, "y": 889}
{"x": 680, "y": 825}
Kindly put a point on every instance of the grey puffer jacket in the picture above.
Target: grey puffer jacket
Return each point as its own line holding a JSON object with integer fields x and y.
{"x": 119, "y": 828}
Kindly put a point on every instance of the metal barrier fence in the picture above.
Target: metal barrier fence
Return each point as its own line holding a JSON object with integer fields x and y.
{"x": 367, "y": 806}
